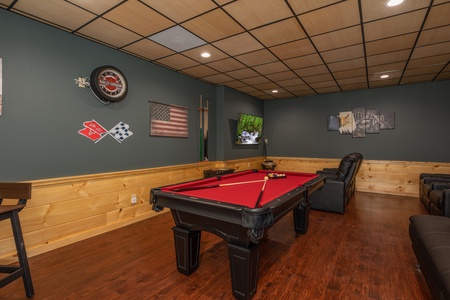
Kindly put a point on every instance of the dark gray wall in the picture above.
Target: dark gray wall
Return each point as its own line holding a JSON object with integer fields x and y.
{"x": 43, "y": 109}
{"x": 297, "y": 127}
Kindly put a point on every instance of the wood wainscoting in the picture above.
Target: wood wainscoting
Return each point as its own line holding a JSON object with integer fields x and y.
{"x": 375, "y": 176}
{"x": 66, "y": 210}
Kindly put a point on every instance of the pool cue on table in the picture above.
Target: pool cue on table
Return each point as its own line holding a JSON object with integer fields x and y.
{"x": 216, "y": 185}
{"x": 262, "y": 191}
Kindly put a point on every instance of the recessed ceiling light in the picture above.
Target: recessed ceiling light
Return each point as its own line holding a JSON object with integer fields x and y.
{"x": 384, "y": 76}
{"x": 274, "y": 91}
{"x": 394, "y": 2}
{"x": 205, "y": 54}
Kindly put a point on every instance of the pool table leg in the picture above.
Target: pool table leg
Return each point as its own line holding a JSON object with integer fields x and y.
{"x": 187, "y": 247}
{"x": 301, "y": 217}
{"x": 243, "y": 270}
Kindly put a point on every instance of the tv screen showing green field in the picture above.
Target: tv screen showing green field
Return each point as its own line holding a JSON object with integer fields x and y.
{"x": 249, "y": 130}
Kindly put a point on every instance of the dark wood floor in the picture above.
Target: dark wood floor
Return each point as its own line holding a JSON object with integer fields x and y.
{"x": 364, "y": 254}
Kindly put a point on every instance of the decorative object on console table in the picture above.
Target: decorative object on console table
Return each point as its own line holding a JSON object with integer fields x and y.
{"x": 216, "y": 172}
{"x": 268, "y": 165}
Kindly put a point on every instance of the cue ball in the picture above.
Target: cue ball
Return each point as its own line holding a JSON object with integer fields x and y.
{"x": 266, "y": 178}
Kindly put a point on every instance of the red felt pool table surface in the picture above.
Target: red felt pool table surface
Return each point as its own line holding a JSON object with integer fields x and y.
{"x": 243, "y": 194}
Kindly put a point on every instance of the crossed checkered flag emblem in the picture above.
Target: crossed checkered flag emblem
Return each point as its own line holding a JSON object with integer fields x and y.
{"x": 95, "y": 132}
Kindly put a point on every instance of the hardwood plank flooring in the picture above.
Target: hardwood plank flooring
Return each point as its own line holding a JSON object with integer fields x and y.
{"x": 364, "y": 254}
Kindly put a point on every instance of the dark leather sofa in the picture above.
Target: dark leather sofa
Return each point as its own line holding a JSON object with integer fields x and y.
{"x": 340, "y": 185}
{"x": 430, "y": 240}
{"x": 434, "y": 192}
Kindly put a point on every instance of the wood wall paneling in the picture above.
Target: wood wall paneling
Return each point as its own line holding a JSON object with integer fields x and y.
{"x": 66, "y": 210}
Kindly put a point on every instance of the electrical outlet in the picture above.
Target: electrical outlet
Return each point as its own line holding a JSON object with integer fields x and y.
{"x": 133, "y": 199}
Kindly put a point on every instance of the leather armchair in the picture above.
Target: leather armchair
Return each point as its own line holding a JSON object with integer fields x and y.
{"x": 340, "y": 185}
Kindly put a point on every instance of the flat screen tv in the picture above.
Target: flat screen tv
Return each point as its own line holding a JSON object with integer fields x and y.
{"x": 249, "y": 129}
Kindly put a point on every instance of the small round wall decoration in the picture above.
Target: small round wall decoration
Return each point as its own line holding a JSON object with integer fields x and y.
{"x": 108, "y": 84}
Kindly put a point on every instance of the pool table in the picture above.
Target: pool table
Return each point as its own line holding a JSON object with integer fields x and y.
{"x": 238, "y": 207}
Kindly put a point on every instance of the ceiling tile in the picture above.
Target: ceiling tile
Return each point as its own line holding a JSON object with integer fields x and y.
{"x": 293, "y": 49}
{"x": 425, "y": 70}
{"x": 378, "y": 70}
{"x": 345, "y": 53}
{"x": 199, "y": 71}
{"x": 213, "y": 26}
{"x": 218, "y": 78}
{"x": 226, "y": 65}
{"x": 344, "y": 14}
{"x": 374, "y": 10}
{"x": 338, "y": 39}
{"x": 429, "y": 61}
{"x": 438, "y": 16}
{"x": 418, "y": 78}
{"x": 431, "y": 50}
{"x": 395, "y": 43}
{"x": 389, "y": 57}
{"x": 177, "y": 62}
{"x": 177, "y": 38}
{"x": 238, "y": 44}
{"x": 243, "y": 73}
{"x": 309, "y": 71}
{"x": 301, "y": 7}
{"x": 393, "y": 26}
{"x": 291, "y": 82}
{"x": 215, "y": 53}
{"x": 255, "y": 13}
{"x": 350, "y": 73}
{"x": 304, "y": 61}
{"x": 352, "y": 80}
{"x": 110, "y": 33}
{"x": 148, "y": 49}
{"x": 280, "y": 76}
{"x": 55, "y": 12}
{"x": 347, "y": 65}
{"x": 180, "y": 10}
{"x": 139, "y": 18}
{"x": 432, "y": 36}
{"x": 255, "y": 58}
{"x": 269, "y": 68}
{"x": 98, "y": 6}
{"x": 279, "y": 33}
{"x": 318, "y": 78}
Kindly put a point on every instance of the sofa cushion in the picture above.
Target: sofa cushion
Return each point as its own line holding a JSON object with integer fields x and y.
{"x": 434, "y": 233}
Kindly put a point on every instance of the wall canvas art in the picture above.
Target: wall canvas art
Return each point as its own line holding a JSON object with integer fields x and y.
{"x": 333, "y": 123}
{"x": 372, "y": 121}
{"x": 347, "y": 122}
{"x": 387, "y": 120}
{"x": 359, "y": 115}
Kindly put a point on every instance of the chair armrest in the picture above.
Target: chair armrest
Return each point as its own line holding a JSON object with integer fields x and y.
{"x": 446, "y": 203}
{"x": 328, "y": 175}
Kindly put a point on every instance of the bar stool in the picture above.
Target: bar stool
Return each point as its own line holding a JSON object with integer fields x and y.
{"x": 22, "y": 192}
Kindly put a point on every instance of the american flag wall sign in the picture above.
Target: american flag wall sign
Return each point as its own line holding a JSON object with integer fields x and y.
{"x": 168, "y": 120}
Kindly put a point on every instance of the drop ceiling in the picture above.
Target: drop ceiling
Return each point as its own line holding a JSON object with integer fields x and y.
{"x": 295, "y": 47}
